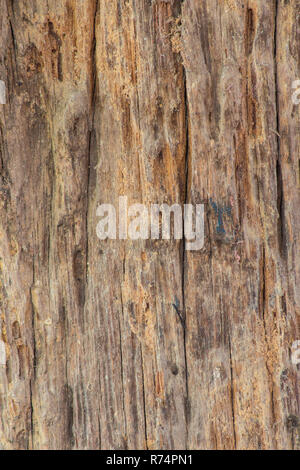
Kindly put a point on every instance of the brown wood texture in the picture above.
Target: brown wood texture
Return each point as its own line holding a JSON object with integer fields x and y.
{"x": 164, "y": 101}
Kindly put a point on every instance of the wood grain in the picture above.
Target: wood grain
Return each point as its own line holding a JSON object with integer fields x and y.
{"x": 143, "y": 344}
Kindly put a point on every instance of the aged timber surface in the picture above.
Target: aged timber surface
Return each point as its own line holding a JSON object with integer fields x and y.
{"x": 143, "y": 344}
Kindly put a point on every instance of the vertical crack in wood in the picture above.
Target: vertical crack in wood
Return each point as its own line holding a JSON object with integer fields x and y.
{"x": 99, "y": 432}
{"x": 52, "y": 176}
{"x": 94, "y": 74}
{"x": 14, "y": 68}
{"x": 31, "y": 418}
{"x": 243, "y": 164}
{"x": 68, "y": 440}
{"x": 122, "y": 370}
{"x": 183, "y": 272}
{"x": 92, "y": 132}
{"x": 140, "y": 178}
{"x": 279, "y": 180}
{"x": 250, "y": 33}
{"x": 34, "y": 364}
{"x": 232, "y": 391}
{"x": 144, "y": 399}
{"x": 99, "y": 412}
{"x": 263, "y": 274}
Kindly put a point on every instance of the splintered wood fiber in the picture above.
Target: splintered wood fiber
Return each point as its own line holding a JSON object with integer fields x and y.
{"x": 144, "y": 343}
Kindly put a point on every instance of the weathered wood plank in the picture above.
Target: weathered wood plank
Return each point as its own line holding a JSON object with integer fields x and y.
{"x": 144, "y": 344}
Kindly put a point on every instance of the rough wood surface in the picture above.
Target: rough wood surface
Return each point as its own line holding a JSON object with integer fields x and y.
{"x": 142, "y": 344}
